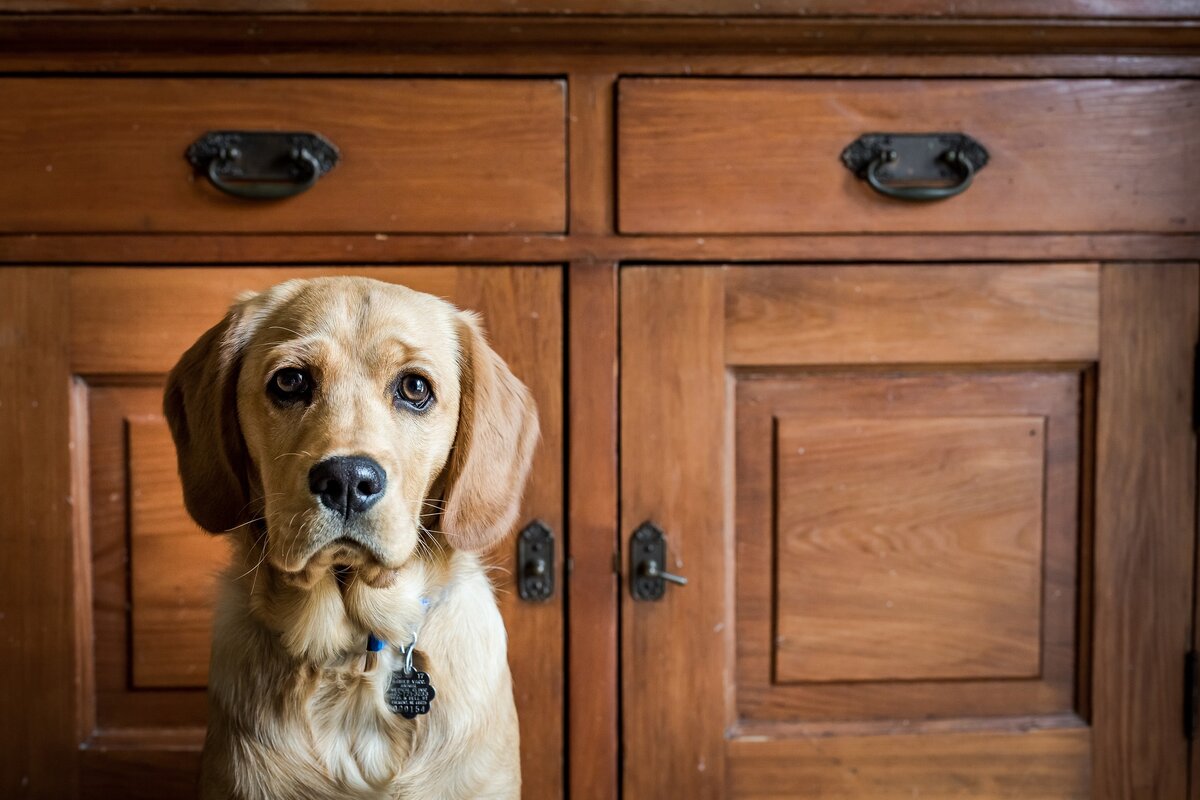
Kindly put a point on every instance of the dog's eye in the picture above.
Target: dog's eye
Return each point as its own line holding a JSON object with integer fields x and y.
{"x": 414, "y": 391}
{"x": 290, "y": 384}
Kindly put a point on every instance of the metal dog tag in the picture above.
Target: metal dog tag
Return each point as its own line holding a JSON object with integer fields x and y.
{"x": 409, "y": 695}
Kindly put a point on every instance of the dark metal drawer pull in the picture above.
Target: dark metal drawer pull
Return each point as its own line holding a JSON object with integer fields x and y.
{"x": 262, "y": 165}
{"x": 916, "y": 166}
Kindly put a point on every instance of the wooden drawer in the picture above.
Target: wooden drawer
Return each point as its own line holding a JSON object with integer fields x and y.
{"x": 763, "y": 156}
{"x": 433, "y": 155}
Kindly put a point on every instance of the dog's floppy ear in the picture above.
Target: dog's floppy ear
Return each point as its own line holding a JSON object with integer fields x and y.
{"x": 493, "y": 448}
{"x": 200, "y": 404}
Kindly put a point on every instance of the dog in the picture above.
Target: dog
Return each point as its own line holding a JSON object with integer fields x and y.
{"x": 362, "y": 445}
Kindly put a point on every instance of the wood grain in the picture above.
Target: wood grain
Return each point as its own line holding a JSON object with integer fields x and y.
{"x": 593, "y": 585}
{"x": 522, "y": 311}
{"x": 676, "y": 653}
{"x": 891, "y": 394}
{"x": 1145, "y": 527}
{"x": 350, "y": 250}
{"x": 385, "y": 34}
{"x": 763, "y": 156}
{"x": 912, "y": 314}
{"x": 107, "y": 155}
{"x": 1039, "y": 765}
{"x": 173, "y": 566}
{"x": 38, "y": 668}
{"x": 908, "y": 549}
{"x": 106, "y": 338}
{"x": 129, "y": 327}
{"x": 141, "y": 765}
{"x": 591, "y": 131}
{"x": 92, "y": 44}
{"x": 936, "y": 8}
{"x": 117, "y": 705}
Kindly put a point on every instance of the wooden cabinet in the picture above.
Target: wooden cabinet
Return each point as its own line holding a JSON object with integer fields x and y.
{"x": 913, "y": 562}
{"x": 929, "y": 468}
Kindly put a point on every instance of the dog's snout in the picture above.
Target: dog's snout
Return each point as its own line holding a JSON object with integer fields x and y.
{"x": 348, "y": 485}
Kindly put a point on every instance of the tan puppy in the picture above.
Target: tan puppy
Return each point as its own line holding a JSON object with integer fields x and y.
{"x": 361, "y": 443}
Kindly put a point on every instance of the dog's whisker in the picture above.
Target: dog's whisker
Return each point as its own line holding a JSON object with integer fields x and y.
{"x": 244, "y": 524}
{"x": 253, "y": 569}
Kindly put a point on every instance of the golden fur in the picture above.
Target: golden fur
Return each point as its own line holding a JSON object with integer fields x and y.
{"x": 296, "y": 706}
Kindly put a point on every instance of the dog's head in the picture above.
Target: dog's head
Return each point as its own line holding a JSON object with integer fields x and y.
{"x": 349, "y": 416}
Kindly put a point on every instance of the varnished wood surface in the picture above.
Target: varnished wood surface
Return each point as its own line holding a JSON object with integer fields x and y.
{"x": 912, "y": 314}
{"x": 76, "y": 29}
{"x": 110, "y": 655}
{"x": 590, "y": 127}
{"x": 733, "y": 156}
{"x": 1145, "y": 528}
{"x": 592, "y": 581}
{"x": 677, "y": 400}
{"x": 38, "y": 638}
{"x": 173, "y": 566}
{"x": 764, "y": 8}
{"x": 383, "y": 249}
{"x": 22, "y": 54}
{"x": 1044, "y": 765}
{"x": 84, "y": 155}
{"x": 909, "y": 549}
{"x": 107, "y": 339}
{"x": 522, "y": 311}
{"x": 809, "y": 399}
{"x": 676, "y": 653}
{"x": 140, "y": 771}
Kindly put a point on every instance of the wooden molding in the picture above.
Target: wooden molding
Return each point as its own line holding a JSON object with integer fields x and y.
{"x": 225, "y": 32}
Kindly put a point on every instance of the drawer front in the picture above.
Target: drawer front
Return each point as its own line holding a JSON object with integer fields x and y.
{"x": 763, "y": 156}
{"x": 423, "y": 155}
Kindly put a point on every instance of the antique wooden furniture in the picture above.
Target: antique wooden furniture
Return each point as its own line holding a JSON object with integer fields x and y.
{"x": 927, "y": 464}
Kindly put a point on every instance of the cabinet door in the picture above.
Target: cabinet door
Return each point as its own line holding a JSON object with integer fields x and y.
{"x": 107, "y": 585}
{"x": 938, "y": 526}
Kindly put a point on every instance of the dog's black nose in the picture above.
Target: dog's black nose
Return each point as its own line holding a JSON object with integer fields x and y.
{"x": 348, "y": 485}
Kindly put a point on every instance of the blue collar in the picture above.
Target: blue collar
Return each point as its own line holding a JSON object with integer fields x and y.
{"x": 375, "y": 644}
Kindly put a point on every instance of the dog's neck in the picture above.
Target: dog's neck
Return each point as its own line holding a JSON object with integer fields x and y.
{"x": 324, "y": 617}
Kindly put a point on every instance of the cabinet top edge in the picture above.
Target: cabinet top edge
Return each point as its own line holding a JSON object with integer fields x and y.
{"x": 368, "y": 25}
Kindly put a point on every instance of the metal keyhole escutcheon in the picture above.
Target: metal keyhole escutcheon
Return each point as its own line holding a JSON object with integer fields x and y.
{"x": 535, "y": 562}
{"x": 647, "y": 554}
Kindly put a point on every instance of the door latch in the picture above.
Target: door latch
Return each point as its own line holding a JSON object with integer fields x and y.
{"x": 535, "y": 562}
{"x": 647, "y": 557}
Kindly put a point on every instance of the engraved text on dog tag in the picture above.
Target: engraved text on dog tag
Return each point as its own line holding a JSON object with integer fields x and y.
{"x": 409, "y": 695}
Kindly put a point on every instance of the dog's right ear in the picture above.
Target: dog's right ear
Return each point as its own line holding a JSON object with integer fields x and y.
{"x": 200, "y": 404}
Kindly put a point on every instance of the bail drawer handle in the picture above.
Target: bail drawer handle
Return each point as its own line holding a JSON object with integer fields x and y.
{"x": 917, "y": 167}
{"x": 262, "y": 165}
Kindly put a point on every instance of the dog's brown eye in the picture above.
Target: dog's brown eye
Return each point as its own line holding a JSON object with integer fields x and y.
{"x": 414, "y": 391}
{"x": 290, "y": 384}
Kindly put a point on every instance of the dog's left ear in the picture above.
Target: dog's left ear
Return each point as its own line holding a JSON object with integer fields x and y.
{"x": 493, "y": 448}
